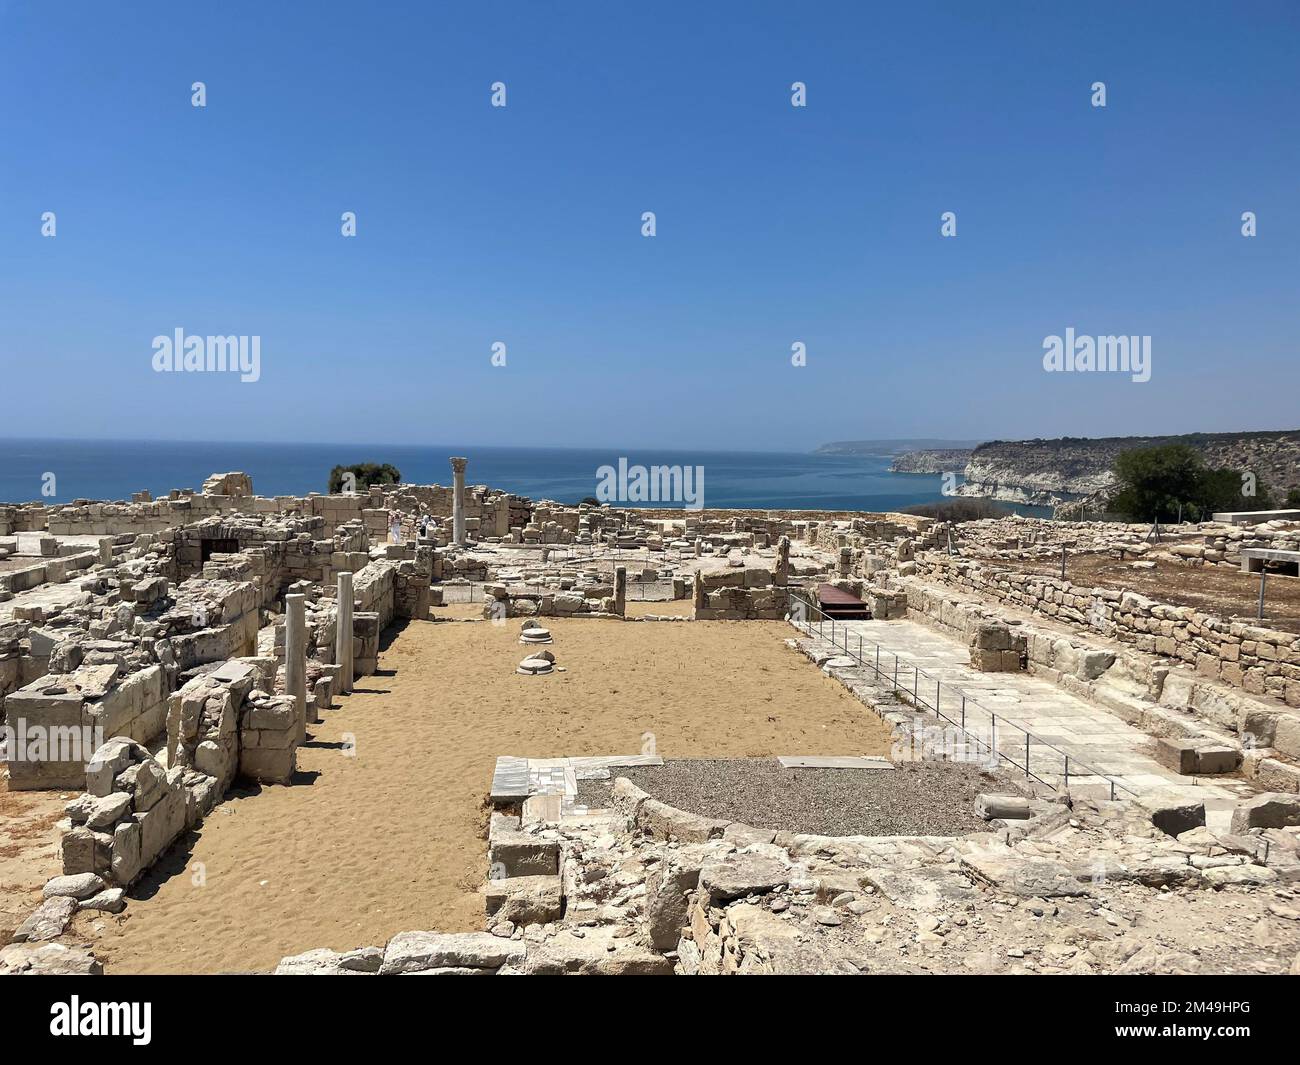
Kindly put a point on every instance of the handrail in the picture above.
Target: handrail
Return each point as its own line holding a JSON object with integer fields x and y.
{"x": 937, "y": 708}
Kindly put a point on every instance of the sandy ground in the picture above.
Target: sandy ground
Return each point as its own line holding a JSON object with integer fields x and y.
{"x": 29, "y": 851}
{"x": 673, "y": 608}
{"x": 393, "y": 837}
{"x": 1222, "y": 590}
{"x": 679, "y": 608}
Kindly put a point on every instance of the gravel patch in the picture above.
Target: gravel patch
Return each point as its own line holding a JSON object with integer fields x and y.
{"x": 914, "y": 799}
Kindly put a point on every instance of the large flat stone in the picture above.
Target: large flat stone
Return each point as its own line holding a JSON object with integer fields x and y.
{"x": 832, "y": 761}
{"x": 1026, "y": 877}
{"x": 323, "y": 962}
{"x": 48, "y": 920}
{"x": 667, "y": 822}
{"x": 597, "y": 953}
{"x": 750, "y": 872}
{"x": 48, "y": 959}
{"x": 410, "y": 952}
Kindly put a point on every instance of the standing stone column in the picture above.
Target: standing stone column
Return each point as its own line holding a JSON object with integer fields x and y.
{"x": 620, "y": 589}
{"x": 295, "y": 657}
{"x": 458, "y": 501}
{"x": 343, "y": 633}
{"x": 846, "y": 560}
{"x": 783, "y": 561}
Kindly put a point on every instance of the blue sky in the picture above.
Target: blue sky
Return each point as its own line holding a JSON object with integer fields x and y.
{"x": 522, "y": 224}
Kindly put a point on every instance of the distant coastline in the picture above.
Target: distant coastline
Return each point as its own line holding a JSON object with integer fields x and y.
{"x": 1043, "y": 472}
{"x": 98, "y": 470}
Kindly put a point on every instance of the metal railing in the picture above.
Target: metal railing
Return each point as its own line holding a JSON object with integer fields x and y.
{"x": 962, "y": 710}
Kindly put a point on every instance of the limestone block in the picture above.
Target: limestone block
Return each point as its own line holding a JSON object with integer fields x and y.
{"x": 126, "y": 863}
{"x": 661, "y": 821}
{"x": 756, "y": 870}
{"x": 1269, "y": 810}
{"x": 409, "y": 952}
{"x": 525, "y": 899}
{"x": 48, "y": 959}
{"x": 86, "y": 851}
{"x": 75, "y": 886}
{"x": 1173, "y": 815}
{"x": 516, "y": 854}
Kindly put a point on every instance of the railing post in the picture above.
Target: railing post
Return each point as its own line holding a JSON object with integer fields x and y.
{"x": 895, "y": 674}
{"x": 994, "y": 732}
{"x": 916, "y": 683}
{"x": 1026, "y": 755}
{"x": 1067, "y": 770}
{"x": 963, "y": 713}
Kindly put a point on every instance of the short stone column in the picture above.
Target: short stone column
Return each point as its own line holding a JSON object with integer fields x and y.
{"x": 343, "y": 633}
{"x": 620, "y": 589}
{"x": 295, "y": 657}
{"x": 458, "y": 501}
{"x": 699, "y": 547}
{"x": 783, "y": 561}
{"x": 846, "y": 561}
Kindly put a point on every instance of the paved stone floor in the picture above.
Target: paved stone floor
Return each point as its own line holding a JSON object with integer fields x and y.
{"x": 1060, "y": 725}
{"x": 48, "y": 597}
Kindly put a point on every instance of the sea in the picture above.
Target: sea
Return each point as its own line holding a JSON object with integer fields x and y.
{"x": 59, "y": 471}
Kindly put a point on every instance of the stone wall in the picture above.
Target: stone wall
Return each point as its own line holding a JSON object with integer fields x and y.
{"x": 46, "y": 571}
{"x": 1259, "y": 660}
{"x": 740, "y": 594}
{"x": 132, "y": 811}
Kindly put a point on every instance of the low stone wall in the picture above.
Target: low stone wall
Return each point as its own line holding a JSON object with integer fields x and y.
{"x": 111, "y": 677}
{"x": 1259, "y": 660}
{"x": 46, "y": 571}
{"x": 58, "y": 721}
{"x": 220, "y": 724}
{"x": 739, "y": 594}
{"x": 132, "y": 811}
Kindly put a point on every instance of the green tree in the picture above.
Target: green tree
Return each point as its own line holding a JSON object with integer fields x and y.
{"x": 366, "y": 473}
{"x": 1159, "y": 483}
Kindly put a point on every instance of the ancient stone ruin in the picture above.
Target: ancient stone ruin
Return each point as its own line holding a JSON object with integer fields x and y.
{"x": 159, "y": 655}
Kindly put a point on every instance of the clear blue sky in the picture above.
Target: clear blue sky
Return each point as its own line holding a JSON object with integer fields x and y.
{"x": 522, "y": 224}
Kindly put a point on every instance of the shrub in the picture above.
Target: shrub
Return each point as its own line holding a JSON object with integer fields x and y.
{"x": 366, "y": 473}
{"x": 1160, "y": 483}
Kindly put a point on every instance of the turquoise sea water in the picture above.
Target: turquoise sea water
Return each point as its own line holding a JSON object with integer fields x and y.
{"x": 115, "y": 469}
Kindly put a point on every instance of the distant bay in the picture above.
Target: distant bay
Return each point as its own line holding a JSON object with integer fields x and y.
{"x": 85, "y": 469}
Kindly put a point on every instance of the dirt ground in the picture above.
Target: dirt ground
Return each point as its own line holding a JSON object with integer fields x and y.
{"x": 29, "y": 851}
{"x": 1222, "y": 590}
{"x": 391, "y": 837}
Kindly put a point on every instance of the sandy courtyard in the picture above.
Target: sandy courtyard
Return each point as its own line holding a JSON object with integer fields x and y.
{"x": 392, "y": 837}
{"x": 29, "y": 851}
